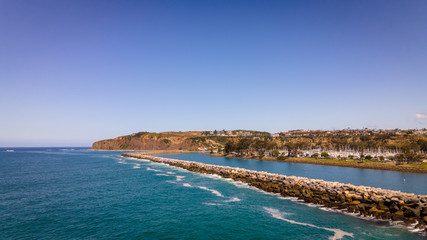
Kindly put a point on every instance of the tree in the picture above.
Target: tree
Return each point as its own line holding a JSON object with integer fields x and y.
{"x": 220, "y": 149}
{"x": 229, "y": 147}
{"x": 368, "y": 157}
{"x": 290, "y": 146}
{"x": 324, "y": 155}
{"x": 275, "y": 153}
{"x": 243, "y": 145}
{"x": 315, "y": 155}
{"x": 260, "y": 146}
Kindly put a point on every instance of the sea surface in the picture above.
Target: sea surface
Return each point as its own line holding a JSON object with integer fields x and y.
{"x": 62, "y": 193}
{"x": 400, "y": 181}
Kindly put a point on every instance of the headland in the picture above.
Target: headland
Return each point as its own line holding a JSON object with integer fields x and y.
{"x": 394, "y": 150}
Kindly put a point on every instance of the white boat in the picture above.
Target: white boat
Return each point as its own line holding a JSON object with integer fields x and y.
{"x": 9, "y": 150}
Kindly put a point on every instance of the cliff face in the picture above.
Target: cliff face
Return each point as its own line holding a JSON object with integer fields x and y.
{"x": 151, "y": 141}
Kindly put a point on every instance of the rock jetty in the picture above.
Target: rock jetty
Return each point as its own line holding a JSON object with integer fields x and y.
{"x": 368, "y": 201}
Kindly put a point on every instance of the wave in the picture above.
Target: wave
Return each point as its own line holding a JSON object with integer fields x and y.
{"x": 123, "y": 161}
{"x": 137, "y": 166}
{"x": 186, "y": 185}
{"x": 154, "y": 170}
{"x": 212, "y": 191}
{"x": 161, "y": 174}
{"x": 140, "y": 160}
{"x": 233, "y": 199}
{"x": 179, "y": 178}
{"x": 170, "y": 172}
{"x": 338, "y": 233}
{"x": 213, "y": 204}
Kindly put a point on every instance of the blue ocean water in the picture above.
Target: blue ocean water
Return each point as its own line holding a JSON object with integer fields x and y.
{"x": 83, "y": 194}
{"x": 414, "y": 182}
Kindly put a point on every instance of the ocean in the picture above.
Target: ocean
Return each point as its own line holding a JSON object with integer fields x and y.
{"x": 63, "y": 193}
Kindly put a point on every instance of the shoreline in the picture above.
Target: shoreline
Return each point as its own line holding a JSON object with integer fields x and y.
{"x": 325, "y": 162}
{"x": 381, "y": 204}
{"x": 338, "y": 163}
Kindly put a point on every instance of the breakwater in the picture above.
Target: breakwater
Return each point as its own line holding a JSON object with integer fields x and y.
{"x": 368, "y": 201}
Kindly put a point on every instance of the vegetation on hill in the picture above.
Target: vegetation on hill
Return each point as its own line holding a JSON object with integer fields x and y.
{"x": 401, "y": 145}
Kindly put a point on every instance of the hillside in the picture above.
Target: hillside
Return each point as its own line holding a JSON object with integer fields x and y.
{"x": 155, "y": 141}
{"x": 352, "y": 142}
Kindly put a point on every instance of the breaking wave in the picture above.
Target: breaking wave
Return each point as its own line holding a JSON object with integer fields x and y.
{"x": 212, "y": 191}
{"x": 154, "y": 170}
{"x": 233, "y": 199}
{"x": 338, "y": 233}
{"x": 179, "y": 178}
{"x": 213, "y": 204}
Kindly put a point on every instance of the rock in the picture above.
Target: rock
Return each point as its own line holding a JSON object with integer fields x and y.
{"x": 394, "y": 208}
{"x": 373, "y": 209}
{"x": 410, "y": 212}
{"x": 397, "y": 216}
{"x": 357, "y": 197}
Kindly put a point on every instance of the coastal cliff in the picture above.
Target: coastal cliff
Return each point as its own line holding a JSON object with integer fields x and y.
{"x": 189, "y": 141}
{"x": 368, "y": 201}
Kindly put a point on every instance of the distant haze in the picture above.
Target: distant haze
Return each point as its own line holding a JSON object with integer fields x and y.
{"x": 74, "y": 72}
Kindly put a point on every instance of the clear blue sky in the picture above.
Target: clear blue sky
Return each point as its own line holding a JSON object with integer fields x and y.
{"x": 73, "y": 72}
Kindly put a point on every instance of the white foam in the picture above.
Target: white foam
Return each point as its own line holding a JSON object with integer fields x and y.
{"x": 233, "y": 199}
{"x": 170, "y": 172}
{"x": 186, "y": 185}
{"x": 212, "y": 204}
{"x": 137, "y": 166}
{"x": 338, "y": 233}
{"x": 161, "y": 174}
{"x": 138, "y": 159}
{"x": 212, "y": 191}
{"x": 179, "y": 178}
{"x": 154, "y": 170}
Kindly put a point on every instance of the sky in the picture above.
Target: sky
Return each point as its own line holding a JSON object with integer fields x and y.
{"x": 74, "y": 72}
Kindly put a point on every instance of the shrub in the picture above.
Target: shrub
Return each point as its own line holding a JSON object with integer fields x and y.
{"x": 324, "y": 155}
{"x": 275, "y": 153}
